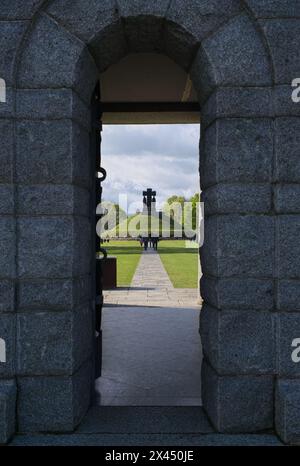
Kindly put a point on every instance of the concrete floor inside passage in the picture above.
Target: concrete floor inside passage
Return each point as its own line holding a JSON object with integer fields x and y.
{"x": 151, "y": 343}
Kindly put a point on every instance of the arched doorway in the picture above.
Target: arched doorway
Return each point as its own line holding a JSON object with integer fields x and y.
{"x": 67, "y": 46}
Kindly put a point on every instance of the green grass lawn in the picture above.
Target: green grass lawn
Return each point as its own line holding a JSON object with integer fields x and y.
{"x": 128, "y": 255}
{"x": 181, "y": 263}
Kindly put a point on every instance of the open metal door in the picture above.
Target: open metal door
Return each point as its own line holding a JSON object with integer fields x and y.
{"x": 100, "y": 253}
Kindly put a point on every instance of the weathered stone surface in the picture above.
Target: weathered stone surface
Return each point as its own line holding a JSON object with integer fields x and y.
{"x": 185, "y": 31}
{"x": 237, "y": 150}
{"x": 202, "y": 74}
{"x": 232, "y": 402}
{"x": 105, "y": 440}
{"x": 52, "y": 152}
{"x": 7, "y": 295}
{"x": 288, "y": 331}
{"x": 288, "y": 246}
{"x": 237, "y": 102}
{"x": 54, "y": 247}
{"x": 287, "y": 414}
{"x": 68, "y": 64}
{"x": 287, "y": 133}
{"x": 53, "y": 343}
{"x": 143, "y": 23}
{"x": 52, "y": 104}
{"x": 11, "y": 34}
{"x": 7, "y": 247}
{"x": 83, "y": 254}
{"x": 287, "y": 198}
{"x": 98, "y": 24}
{"x": 238, "y": 246}
{"x": 282, "y": 35}
{"x": 288, "y": 295}
{"x": 45, "y": 247}
{"x": 53, "y": 200}
{"x": 6, "y": 199}
{"x": 144, "y": 419}
{"x": 237, "y": 198}
{"x": 8, "y": 334}
{"x": 53, "y": 294}
{"x": 8, "y": 393}
{"x": 6, "y": 153}
{"x": 238, "y": 293}
{"x": 274, "y": 8}
{"x": 237, "y": 55}
{"x": 7, "y": 108}
{"x": 53, "y": 404}
{"x": 237, "y": 343}
{"x": 18, "y": 9}
{"x": 84, "y": 20}
{"x": 283, "y": 103}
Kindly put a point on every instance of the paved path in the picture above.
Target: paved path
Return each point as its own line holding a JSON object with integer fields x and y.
{"x": 151, "y": 286}
{"x": 151, "y": 345}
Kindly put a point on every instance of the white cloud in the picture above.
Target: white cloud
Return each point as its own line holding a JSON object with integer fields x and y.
{"x": 163, "y": 157}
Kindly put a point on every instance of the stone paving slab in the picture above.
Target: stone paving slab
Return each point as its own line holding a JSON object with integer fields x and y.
{"x": 151, "y": 286}
{"x": 151, "y": 357}
{"x": 142, "y": 420}
{"x": 108, "y": 440}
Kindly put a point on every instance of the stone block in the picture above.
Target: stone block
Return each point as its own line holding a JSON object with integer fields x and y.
{"x": 53, "y": 200}
{"x": 287, "y": 134}
{"x": 8, "y": 335}
{"x": 288, "y": 295}
{"x": 237, "y": 403}
{"x": 237, "y": 103}
{"x": 281, "y": 36}
{"x": 287, "y": 198}
{"x": 67, "y": 65}
{"x": 6, "y": 199}
{"x": 84, "y": 20}
{"x": 7, "y": 109}
{"x": 237, "y": 55}
{"x": 238, "y": 293}
{"x": 6, "y": 153}
{"x": 7, "y": 296}
{"x": 237, "y": 198}
{"x": 18, "y": 9}
{"x": 287, "y": 414}
{"x": 274, "y": 8}
{"x": 53, "y": 404}
{"x": 96, "y": 23}
{"x": 8, "y": 393}
{"x": 185, "y": 31}
{"x": 83, "y": 247}
{"x": 45, "y": 247}
{"x": 143, "y": 23}
{"x": 283, "y": 103}
{"x": 202, "y": 74}
{"x": 237, "y": 150}
{"x": 239, "y": 342}
{"x": 238, "y": 246}
{"x": 52, "y": 104}
{"x": 51, "y": 294}
{"x": 7, "y": 247}
{"x": 53, "y": 343}
{"x": 288, "y": 332}
{"x": 288, "y": 230}
{"x": 52, "y": 152}
{"x": 11, "y": 34}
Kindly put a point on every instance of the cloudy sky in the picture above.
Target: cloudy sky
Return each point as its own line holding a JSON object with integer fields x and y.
{"x": 162, "y": 157}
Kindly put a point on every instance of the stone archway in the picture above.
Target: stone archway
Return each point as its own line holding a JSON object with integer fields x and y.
{"x": 222, "y": 46}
